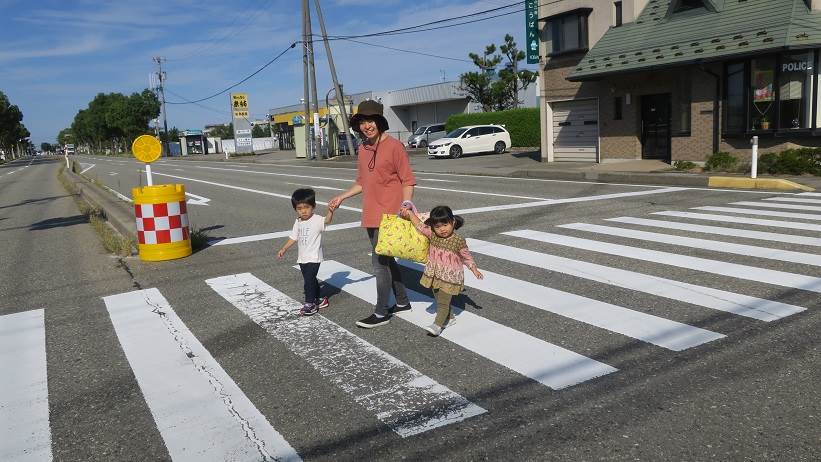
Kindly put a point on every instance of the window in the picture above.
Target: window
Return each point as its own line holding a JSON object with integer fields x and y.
{"x": 569, "y": 32}
{"x": 795, "y": 87}
{"x": 682, "y": 99}
{"x": 687, "y": 5}
{"x": 734, "y": 99}
{"x": 617, "y": 108}
{"x": 498, "y": 130}
{"x": 762, "y": 89}
{"x": 485, "y": 130}
{"x": 618, "y": 13}
{"x": 472, "y": 132}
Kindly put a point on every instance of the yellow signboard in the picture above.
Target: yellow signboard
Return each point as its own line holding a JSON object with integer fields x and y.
{"x": 239, "y": 105}
{"x": 146, "y": 148}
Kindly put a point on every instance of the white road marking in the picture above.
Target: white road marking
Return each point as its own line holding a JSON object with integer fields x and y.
{"x": 478, "y": 193}
{"x": 658, "y": 331}
{"x": 721, "y": 300}
{"x": 329, "y": 188}
{"x": 721, "y": 231}
{"x": 794, "y": 199}
{"x": 87, "y": 168}
{"x": 541, "y": 361}
{"x": 706, "y": 244}
{"x": 435, "y": 179}
{"x": 112, "y": 173}
{"x": 808, "y": 208}
{"x": 240, "y": 188}
{"x": 25, "y": 434}
{"x": 742, "y": 220}
{"x": 400, "y": 396}
{"x": 197, "y": 200}
{"x": 751, "y": 273}
{"x": 766, "y": 213}
{"x": 496, "y": 208}
{"x": 199, "y": 410}
{"x": 277, "y": 235}
{"x": 810, "y": 194}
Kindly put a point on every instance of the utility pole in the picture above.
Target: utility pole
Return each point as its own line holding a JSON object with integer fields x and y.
{"x": 314, "y": 97}
{"x": 340, "y": 99}
{"x": 161, "y": 76}
{"x": 307, "y": 97}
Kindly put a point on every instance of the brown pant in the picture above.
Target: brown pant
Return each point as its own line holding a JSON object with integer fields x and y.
{"x": 442, "y": 306}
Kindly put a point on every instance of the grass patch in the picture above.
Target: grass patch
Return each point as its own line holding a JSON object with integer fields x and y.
{"x": 684, "y": 165}
{"x": 112, "y": 241}
{"x": 199, "y": 239}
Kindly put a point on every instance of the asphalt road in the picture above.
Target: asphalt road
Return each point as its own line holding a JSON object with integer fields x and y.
{"x": 595, "y": 341}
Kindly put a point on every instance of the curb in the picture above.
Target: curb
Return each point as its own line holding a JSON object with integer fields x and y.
{"x": 117, "y": 213}
{"x": 755, "y": 183}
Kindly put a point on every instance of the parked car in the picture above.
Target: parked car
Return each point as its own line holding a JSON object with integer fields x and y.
{"x": 426, "y": 134}
{"x": 343, "y": 144}
{"x": 471, "y": 139}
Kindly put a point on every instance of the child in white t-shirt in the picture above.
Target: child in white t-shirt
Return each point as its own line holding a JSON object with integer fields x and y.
{"x": 307, "y": 233}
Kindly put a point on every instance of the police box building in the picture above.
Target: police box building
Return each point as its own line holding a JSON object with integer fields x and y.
{"x": 679, "y": 79}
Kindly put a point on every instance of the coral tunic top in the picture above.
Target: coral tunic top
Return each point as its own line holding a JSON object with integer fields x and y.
{"x": 382, "y": 171}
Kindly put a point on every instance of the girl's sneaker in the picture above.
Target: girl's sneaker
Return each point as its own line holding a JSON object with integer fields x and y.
{"x": 308, "y": 309}
{"x": 451, "y": 321}
{"x": 323, "y": 303}
{"x": 434, "y": 330}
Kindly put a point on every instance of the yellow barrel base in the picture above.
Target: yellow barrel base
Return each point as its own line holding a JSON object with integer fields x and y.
{"x": 162, "y": 252}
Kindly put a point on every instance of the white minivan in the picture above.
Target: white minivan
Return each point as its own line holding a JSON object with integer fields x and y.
{"x": 471, "y": 139}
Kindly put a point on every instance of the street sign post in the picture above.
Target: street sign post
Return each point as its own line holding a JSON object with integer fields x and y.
{"x": 147, "y": 148}
{"x": 242, "y": 126}
{"x": 532, "y": 31}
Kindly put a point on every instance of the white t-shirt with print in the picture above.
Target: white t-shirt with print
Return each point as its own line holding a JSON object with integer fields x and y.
{"x": 308, "y": 237}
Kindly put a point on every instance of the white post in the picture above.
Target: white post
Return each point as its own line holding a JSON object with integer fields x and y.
{"x": 754, "y": 166}
{"x": 67, "y": 164}
{"x": 148, "y": 178}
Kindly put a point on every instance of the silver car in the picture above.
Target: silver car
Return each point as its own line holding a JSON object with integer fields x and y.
{"x": 426, "y": 134}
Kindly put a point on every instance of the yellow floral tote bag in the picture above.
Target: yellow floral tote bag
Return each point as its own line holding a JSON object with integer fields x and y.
{"x": 399, "y": 238}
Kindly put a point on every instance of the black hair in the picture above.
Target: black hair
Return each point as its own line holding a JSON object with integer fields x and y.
{"x": 303, "y": 196}
{"x": 443, "y": 214}
{"x": 381, "y": 122}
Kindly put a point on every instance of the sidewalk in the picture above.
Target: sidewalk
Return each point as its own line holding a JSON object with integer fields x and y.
{"x": 527, "y": 164}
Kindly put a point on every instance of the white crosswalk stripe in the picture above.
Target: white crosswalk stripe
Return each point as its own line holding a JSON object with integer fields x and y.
{"x": 24, "y": 413}
{"x": 742, "y": 220}
{"x": 809, "y": 208}
{"x": 802, "y": 200}
{"x": 796, "y": 281}
{"x": 767, "y": 213}
{"x": 544, "y": 362}
{"x": 717, "y": 246}
{"x": 401, "y": 397}
{"x": 172, "y": 366}
{"x": 721, "y": 231}
{"x": 648, "y": 328}
{"x": 742, "y": 305}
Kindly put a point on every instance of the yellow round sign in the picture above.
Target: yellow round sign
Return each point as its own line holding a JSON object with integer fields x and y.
{"x": 146, "y": 148}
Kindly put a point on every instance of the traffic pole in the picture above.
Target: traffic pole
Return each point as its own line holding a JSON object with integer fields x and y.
{"x": 754, "y": 166}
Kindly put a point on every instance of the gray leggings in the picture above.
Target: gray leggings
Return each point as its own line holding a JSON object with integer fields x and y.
{"x": 387, "y": 276}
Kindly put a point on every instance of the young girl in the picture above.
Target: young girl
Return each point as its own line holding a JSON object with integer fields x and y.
{"x": 447, "y": 253}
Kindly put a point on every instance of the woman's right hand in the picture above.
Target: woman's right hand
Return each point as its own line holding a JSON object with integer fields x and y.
{"x": 335, "y": 202}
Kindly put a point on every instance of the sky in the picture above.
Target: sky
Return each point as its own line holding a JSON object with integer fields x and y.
{"x": 55, "y": 56}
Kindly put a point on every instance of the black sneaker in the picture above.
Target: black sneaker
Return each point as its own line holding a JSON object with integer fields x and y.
{"x": 309, "y": 309}
{"x": 373, "y": 321}
{"x": 399, "y": 309}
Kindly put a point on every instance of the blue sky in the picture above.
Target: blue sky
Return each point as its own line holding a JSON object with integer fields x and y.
{"x": 55, "y": 56}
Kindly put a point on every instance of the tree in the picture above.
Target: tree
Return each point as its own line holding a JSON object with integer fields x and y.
{"x": 497, "y": 91}
{"x": 46, "y": 147}
{"x": 114, "y": 120}
{"x": 172, "y": 137}
{"x": 225, "y": 132}
{"x": 65, "y": 137}
{"x": 260, "y": 131}
{"x": 12, "y": 131}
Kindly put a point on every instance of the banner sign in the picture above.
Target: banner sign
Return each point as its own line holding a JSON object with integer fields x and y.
{"x": 532, "y": 31}
{"x": 242, "y": 126}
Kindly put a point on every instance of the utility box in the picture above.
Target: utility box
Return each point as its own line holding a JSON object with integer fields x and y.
{"x": 193, "y": 142}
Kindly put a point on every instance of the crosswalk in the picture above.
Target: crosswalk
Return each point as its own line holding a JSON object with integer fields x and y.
{"x": 185, "y": 387}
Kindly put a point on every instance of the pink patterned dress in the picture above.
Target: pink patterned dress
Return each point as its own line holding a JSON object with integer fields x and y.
{"x": 446, "y": 257}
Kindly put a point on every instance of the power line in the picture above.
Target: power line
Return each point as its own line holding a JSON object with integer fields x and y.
{"x": 187, "y": 101}
{"x": 240, "y": 82}
{"x": 405, "y": 51}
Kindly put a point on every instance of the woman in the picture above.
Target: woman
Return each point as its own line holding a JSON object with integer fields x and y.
{"x": 384, "y": 178}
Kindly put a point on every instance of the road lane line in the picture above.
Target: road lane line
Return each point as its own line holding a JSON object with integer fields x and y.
{"x": 400, "y": 396}
{"x": 87, "y": 168}
{"x": 25, "y": 434}
{"x": 276, "y": 235}
{"x": 766, "y": 213}
{"x": 808, "y": 208}
{"x": 658, "y": 331}
{"x": 721, "y": 231}
{"x": 541, "y": 361}
{"x": 742, "y": 220}
{"x": 706, "y": 244}
{"x": 199, "y": 410}
{"x": 734, "y": 270}
{"x": 794, "y": 199}
{"x": 240, "y": 188}
{"x": 721, "y": 300}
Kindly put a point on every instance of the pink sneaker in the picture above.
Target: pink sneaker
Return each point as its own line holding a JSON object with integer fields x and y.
{"x": 323, "y": 303}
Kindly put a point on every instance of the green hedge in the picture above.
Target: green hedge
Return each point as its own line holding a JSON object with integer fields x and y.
{"x": 523, "y": 124}
{"x": 789, "y": 162}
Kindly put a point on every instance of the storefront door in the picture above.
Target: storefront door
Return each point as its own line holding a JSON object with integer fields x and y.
{"x": 655, "y": 127}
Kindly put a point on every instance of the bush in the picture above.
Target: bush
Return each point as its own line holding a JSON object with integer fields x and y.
{"x": 721, "y": 162}
{"x": 523, "y": 124}
{"x": 791, "y": 162}
{"x": 767, "y": 163}
{"x": 684, "y": 165}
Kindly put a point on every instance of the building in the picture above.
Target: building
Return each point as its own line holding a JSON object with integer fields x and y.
{"x": 678, "y": 79}
{"x": 405, "y": 110}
